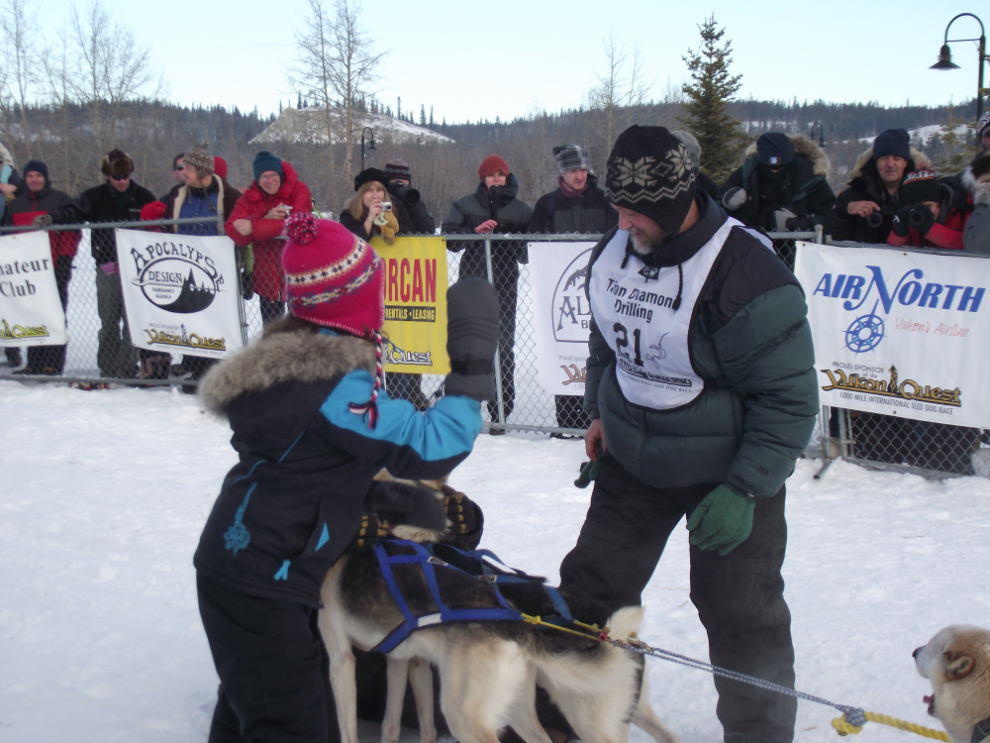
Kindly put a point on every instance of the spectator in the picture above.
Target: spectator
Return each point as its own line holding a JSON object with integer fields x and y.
{"x": 782, "y": 185}
{"x": 10, "y": 181}
{"x": 705, "y": 181}
{"x": 363, "y": 212}
{"x": 258, "y": 220}
{"x": 401, "y": 385}
{"x": 494, "y": 209}
{"x": 578, "y": 205}
{"x": 934, "y": 213}
{"x": 153, "y": 364}
{"x": 209, "y": 197}
{"x": 119, "y": 199}
{"x": 177, "y": 167}
{"x": 399, "y": 177}
{"x": 36, "y": 200}
{"x": 976, "y": 179}
{"x": 874, "y": 187}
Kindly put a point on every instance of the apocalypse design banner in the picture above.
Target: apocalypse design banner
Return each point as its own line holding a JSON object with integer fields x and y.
{"x": 561, "y": 313}
{"x": 415, "y": 332}
{"x": 899, "y": 332}
{"x": 30, "y": 310}
{"x": 180, "y": 292}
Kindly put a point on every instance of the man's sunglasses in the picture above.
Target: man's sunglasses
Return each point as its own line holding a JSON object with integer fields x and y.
{"x": 120, "y": 177}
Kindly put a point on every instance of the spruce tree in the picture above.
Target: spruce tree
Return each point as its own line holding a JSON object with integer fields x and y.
{"x": 954, "y": 151}
{"x": 708, "y": 117}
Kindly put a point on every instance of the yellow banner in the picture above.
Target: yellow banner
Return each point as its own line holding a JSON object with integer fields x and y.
{"x": 415, "y": 304}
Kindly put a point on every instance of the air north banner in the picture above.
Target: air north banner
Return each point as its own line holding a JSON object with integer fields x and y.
{"x": 415, "y": 305}
{"x": 30, "y": 311}
{"x": 561, "y": 313}
{"x": 899, "y": 332}
{"x": 180, "y": 292}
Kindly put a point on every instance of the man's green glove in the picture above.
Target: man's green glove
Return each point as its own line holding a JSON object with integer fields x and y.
{"x": 723, "y": 520}
{"x": 589, "y": 472}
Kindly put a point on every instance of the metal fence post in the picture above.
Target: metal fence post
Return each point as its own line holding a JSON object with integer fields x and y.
{"x": 498, "y": 355}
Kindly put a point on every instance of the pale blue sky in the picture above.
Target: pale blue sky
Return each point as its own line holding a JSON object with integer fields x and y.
{"x": 508, "y": 58}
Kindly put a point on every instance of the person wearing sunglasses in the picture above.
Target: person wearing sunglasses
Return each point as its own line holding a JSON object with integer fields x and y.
{"x": 118, "y": 199}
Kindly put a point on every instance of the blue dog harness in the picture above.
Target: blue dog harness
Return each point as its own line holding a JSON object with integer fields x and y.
{"x": 423, "y": 555}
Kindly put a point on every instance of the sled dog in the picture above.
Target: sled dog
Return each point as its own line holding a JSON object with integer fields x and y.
{"x": 957, "y": 662}
{"x": 488, "y": 670}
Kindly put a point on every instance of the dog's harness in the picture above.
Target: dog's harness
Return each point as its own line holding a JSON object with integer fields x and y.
{"x": 424, "y": 556}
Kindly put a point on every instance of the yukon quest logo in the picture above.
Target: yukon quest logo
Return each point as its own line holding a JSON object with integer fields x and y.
{"x": 570, "y": 309}
{"x": 176, "y": 277}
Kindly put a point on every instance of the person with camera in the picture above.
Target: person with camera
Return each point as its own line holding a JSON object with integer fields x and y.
{"x": 494, "y": 209}
{"x": 399, "y": 177}
{"x": 934, "y": 213}
{"x": 781, "y": 186}
{"x": 865, "y": 211}
{"x": 370, "y": 213}
{"x": 258, "y": 219}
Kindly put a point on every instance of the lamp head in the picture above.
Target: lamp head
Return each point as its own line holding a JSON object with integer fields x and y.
{"x": 944, "y": 60}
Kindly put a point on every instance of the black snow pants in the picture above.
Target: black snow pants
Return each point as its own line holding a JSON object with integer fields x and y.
{"x": 739, "y": 597}
{"x": 274, "y": 685}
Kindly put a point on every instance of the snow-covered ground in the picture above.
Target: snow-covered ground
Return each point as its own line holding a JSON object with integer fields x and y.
{"x": 103, "y": 495}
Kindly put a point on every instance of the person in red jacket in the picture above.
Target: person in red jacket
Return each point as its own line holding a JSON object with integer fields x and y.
{"x": 933, "y": 217}
{"x": 258, "y": 218}
{"x": 36, "y": 200}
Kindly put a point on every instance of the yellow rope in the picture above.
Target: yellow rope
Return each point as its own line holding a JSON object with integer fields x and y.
{"x": 844, "y": 728}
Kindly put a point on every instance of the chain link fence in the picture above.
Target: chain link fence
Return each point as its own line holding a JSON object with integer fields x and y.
{"x": 99, "y": 352}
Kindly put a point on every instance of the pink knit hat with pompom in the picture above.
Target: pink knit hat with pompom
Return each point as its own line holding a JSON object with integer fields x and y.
{"x": 332, "y": 277}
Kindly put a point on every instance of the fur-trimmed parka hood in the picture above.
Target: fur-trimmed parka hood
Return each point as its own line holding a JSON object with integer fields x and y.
{"x": 918, "y": 159}
{"x": 805, "y": 147}
{"x": 976, "y": 178}
{"x": 281, "y": 358}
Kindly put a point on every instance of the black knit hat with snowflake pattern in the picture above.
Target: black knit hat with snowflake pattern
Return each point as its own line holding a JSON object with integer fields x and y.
{"x": 650, "y": 172}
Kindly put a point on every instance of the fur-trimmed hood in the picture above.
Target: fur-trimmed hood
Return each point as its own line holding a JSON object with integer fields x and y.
{"x": 802, "y": 146}
{"x": 859, "y": 170}
{"x": 281, "y": 357}
{"x": 976, "y": 178}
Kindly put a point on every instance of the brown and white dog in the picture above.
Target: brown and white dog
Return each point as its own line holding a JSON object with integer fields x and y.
{"x": 957, "y": 662}
{"x": 488, "y": 670}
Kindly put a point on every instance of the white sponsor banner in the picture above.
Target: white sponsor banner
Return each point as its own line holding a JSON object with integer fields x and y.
{"x": 30, "y": 310}
{"x": 561, "y": 313}
{"x": 180, "y": 292}
{"x": 899, "y": 332}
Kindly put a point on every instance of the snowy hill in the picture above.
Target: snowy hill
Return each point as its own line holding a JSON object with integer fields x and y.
{"x": 309, "y": 125}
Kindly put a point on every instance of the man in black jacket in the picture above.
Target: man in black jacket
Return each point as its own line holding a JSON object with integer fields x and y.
{"x": 865, "y": 211}
{"x": 578, "y": 205}
{"x": 399, "y": 177}
{"x": 494, "y": 209}
{"x": 118, "y": 199}
{"x": 782, "y": 185}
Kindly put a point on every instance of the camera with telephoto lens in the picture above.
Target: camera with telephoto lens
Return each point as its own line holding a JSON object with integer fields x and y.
{"x": 875, "y": 219}
{"x": 917, "y": 218}
{"x": 386, "y": 206}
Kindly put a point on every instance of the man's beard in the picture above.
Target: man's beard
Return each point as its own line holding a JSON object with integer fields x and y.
{"x": 645, "y": 244}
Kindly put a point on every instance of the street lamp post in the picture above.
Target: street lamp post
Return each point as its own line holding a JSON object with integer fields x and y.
{"x": 821, "y": 134}
{"x": 370, "y": 146}
{"x": 945, "y": 59}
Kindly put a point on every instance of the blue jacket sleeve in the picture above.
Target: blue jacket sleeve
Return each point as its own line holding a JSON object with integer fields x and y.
{"x": 409, "y": 443}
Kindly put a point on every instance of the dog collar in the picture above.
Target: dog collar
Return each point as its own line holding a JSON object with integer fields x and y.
{"x": 981, "y": 731}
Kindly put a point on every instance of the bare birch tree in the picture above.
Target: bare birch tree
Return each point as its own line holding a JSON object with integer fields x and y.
{"x": 335, "y": 67}
{"x": 622, "y": 84}
{"x": 19, "y": 55}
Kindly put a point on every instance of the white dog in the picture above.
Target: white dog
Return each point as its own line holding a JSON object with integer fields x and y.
{"x": 957, "y": 661}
